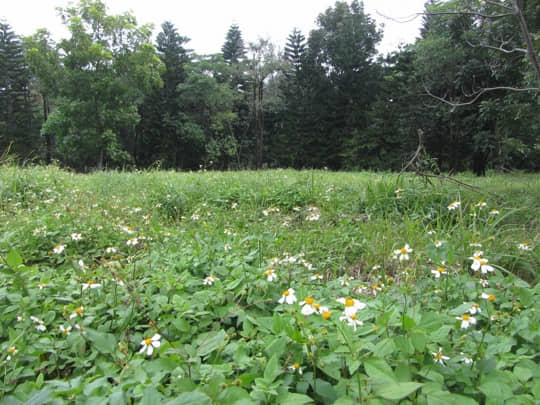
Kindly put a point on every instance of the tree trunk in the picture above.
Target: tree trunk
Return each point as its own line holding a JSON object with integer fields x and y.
{"x": 48, "y": 137}
{"x": 527, "y": 36}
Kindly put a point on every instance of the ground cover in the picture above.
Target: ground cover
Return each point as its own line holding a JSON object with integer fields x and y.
{"x": 268, "y": 287}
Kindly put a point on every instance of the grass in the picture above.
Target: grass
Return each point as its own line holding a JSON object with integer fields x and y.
{"x": 159, "y": 287}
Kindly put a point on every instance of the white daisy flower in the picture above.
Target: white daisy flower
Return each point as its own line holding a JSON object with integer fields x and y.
{"x": 148, "y": 344}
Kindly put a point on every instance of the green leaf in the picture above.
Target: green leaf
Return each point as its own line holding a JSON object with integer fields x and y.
{"x": 191, "y": 398}
{"x": 277, "y": 346}
{"x": 496, "y": 389}
{"x": 379, "y": 370}
{"x": 395, "y": 391}
{"x": 419, "y": 341}
{"x": 41, "y": 397}
{"x": 407, "y": 322}
{"x": 272, "y": 369}
{"x": 151, "y": 396}
{"x": 445, "y": 398}
{"x": 211, "y": 341}
{"x": 525, "y": 297}
{"x": 104, "y": 342}
{"x": 14, "y": 259}
{"x": 291, "y": 398}
{"x": 345, "y": 401}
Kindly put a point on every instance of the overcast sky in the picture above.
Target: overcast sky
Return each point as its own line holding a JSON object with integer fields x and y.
{"x": 206, "y": 22}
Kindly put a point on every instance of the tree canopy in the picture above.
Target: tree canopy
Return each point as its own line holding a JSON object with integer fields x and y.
{"x": 109, "y": 95}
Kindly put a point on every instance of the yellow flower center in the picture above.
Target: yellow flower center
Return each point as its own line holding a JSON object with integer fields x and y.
{"x": 79, "y": 310}
{"x": 438, "y": 356}
{"x": 296, "y": 366}
{"x": 491, "y": 297}
{"x": 12, "y": 349}
{"x": 309, "y": 300}
{"x": 90, "y": 282}
{"x": 148, "y": 341}
{"x": 440, "y": 269}
{"x": 475, "y": 305}
{"x": 483, "y": 261}
{"x": 65, "y": 331}
{"x": 326, "y": 314}
{"x": 403, "y": 251}
{"x": 349, "y": 302}
{"x": 465, "y": 317}
{"x": 316, "y": 305}
{"x": 354, "y": 317}
{"x": 286, "y": 293}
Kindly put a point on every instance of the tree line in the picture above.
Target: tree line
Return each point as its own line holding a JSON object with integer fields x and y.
{"x": 108, "y": 96}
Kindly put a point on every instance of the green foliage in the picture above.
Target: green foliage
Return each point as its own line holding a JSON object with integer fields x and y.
{"x": 165, "y": 287}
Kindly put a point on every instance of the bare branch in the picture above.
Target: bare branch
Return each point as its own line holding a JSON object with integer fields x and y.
{"x": 498, "y": 48}
{"x": 494, "y": 3}
{"x": 477, "y": 95}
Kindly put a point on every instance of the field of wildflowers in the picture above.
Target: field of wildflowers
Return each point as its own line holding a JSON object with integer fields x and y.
{"x": 271, "y": 287}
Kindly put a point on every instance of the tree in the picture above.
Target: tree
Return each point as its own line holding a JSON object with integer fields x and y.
{"x": 44, "y": 63}
{"x": 17, "y": 129}
{"x": 343, "y": 49}
{"x": 109, "y": 66}
{"x": 471, "y": 51}
{"x": 207, "y": 114}
{"x": 262, "y": 63}
{"x": 159, "y": 137}
{"x": 233, "y": 49}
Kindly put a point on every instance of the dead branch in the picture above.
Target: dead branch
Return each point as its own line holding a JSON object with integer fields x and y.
{"x": 476, "y": 95}
{"x": 497, "y": 48}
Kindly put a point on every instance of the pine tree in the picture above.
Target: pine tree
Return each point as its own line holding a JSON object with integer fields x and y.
{"x": 233, "y": 49}
{"x": 16, "y": 117}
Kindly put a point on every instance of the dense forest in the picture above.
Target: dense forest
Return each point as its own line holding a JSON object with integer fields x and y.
{"x": 110, "y": 96}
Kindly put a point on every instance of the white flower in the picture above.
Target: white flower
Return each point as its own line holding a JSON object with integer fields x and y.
{"x": 439, "y": 271}
{"x": 234, "y": 205}
{"x": 309, "y": 306}
{"x": 480, "y": 263}
{"x": 148, "y": 344}
{"x": 345, "y": 281}
{"x": 316, "y": 276}
{"x": 59, "y": 249}
{"x": 467, "y": 359}
{"x": 295, "y": 368}
{"x": 195, "y": 217}
{"x": 494, "y": 212}
{"x": 431, "y": 232}
{"x": 483, "y": 283}
{"x": 127, "y": 229}
{"x": 76, "y": 236}
{"x": 466, "y": 320}
{"x": 82, "y": 265}
{"x": 63, "y": 330}
{"x": 475, "y": 244}
{"x": 77, "y": 312}
{"x": 288, "y": 297}
{"x": 352, "y": 305}
{"x": 480, "y": 204}
{"x": 227, "y": 247}
{"x": 40, "y": 326}
{"x": 524, "y": 246}
{"x": 403, "y": 253}
{"x": 210, "y": 280}
{"x": 438, "y": 243}
{"x": 438, "y": 357}
{"x": 90, "y": 284}
{"x": 454, "y": 205}
{"x": 351, "y": 319}
{"x": 474, "y": 309}
{"x": 270, "y": 274}
{"x": 313, "y": 216}
{"x": 489, "y": 297}
{"x": 110, "y": 250}
{"x": 132, "y": 241}
{"x": 12, "y": 351}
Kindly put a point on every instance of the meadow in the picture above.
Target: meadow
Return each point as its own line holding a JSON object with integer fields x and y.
{"x": 270, "y": 287}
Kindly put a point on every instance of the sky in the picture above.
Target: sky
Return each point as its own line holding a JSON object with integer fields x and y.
{"x": 206, "y": 22}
